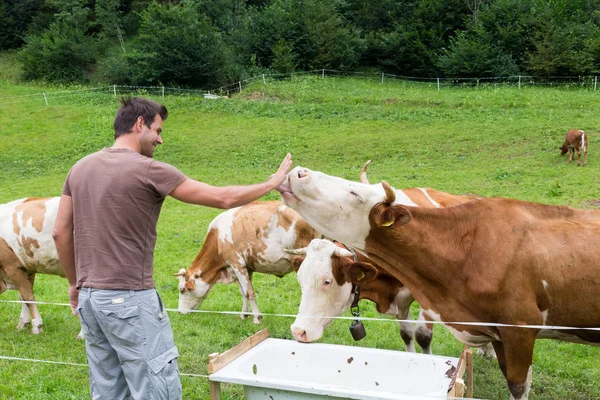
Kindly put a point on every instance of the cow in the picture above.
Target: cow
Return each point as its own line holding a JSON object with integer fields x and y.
{"x": 391, "y": 297}
{"x": 498, "y": 262}
{"x": 27, "y": 248}
{"x": 329, "y": 288}
{"x": 575, "y": 141}
{"x": 241, "y": 241}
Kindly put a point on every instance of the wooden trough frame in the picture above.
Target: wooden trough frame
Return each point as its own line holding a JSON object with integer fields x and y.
{"x": 460, "y": 386}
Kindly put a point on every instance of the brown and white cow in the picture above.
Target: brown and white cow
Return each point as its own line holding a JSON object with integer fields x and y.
{"x": 575, "y": 141}
{"x": 241, "y": 241}
{"x": 328, "y": 273}
{"x": 499, "y": 261}
{"x": 27, "y": 248}
{"x": 327, "y": 290}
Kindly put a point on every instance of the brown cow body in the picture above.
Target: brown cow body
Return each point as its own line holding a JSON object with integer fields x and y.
{"x": 490, "y": 261}
{"x": 575, "y": 141}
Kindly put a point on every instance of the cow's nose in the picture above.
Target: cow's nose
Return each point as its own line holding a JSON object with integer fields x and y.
{"x": 299, "y": 334}
{"x": 302, "y": 173}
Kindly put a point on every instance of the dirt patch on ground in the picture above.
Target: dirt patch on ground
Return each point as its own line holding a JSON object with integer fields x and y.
{"x": 262, "y": 96}
{"x": 593, "y": 203}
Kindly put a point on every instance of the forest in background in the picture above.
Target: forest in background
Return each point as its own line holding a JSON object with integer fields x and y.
{"x": 204, "y": 43}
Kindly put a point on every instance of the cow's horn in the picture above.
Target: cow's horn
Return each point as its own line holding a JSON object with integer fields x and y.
{"x": 180, "y": 273}
{"x": 296, "y": 251}
{"x": 343, "y": 252}
{"x": 390, "y": 194}
{"x": 363, "y": 173}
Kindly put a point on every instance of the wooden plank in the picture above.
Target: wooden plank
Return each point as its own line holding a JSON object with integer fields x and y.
{"x": 215, "y": 390}
{"x": 457, "y": 386}
{"x": 215, "y": 387}
{"x": 228, "y": 356}
{"x": 469, "y": 380}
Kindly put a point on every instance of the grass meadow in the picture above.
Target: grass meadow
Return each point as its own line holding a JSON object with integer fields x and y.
{"x": 490, "y": 141}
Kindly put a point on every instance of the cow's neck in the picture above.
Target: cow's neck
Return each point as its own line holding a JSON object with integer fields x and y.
{"x": 427, "y": 252}
{"x": 381, "y": 291}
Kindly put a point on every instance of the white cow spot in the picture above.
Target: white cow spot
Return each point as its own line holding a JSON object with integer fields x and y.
{"x": 463, "y": 336}
{"x": 402, "y": 198}
{"x": 223, "y": 222}
{"x": 435, "y": 203}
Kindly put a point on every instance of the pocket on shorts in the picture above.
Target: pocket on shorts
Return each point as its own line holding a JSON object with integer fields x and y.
{"x": 125, "y": 324}
{"x": 164, "y": 373}
{"x": 84, "y": 326}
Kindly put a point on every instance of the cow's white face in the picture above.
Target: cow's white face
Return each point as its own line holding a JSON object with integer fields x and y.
{"x": 326, "y": 275}
{"x": 336, "y": 207}
{"x": 193, "y": 289}
{"x": 322, "y": 296}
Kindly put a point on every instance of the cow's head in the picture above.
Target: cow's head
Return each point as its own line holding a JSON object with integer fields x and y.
{"x": 326, "y": 274}
{"x": 193, "y": 288}
{"x": 563, "y": 149}
{"x": 331, "y": 205}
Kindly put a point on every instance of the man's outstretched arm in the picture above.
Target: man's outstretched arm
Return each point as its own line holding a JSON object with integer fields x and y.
{"x": 195, "y": 192}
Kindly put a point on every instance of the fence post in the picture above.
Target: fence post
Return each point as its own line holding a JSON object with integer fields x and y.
{"x": 382, "y": 74}
{"x": 438, "y": 81}
{"x": 163, "y": 92}
{"x": 240, "y": 86}
{"x": 323, "y": 74}
{"x": 264, "y": 81}
{"x": 595, "y": 82}
{"x": 115, "y": 90}
{"x": 45, "y": 98}
{"x": 519, "y": 81}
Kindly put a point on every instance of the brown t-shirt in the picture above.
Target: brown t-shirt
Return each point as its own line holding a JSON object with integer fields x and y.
{"x": 117, "y": 196}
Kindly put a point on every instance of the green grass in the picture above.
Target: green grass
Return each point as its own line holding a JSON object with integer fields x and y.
{"x": 492, "y": 141}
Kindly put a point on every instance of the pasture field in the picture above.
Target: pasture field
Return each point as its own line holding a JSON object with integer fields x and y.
{"x": 491, "y": 141}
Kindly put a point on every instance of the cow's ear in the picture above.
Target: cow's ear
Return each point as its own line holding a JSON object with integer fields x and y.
{"x": 296, "y": 262}
{"x": 360, "y": 272}
{"x": 190, "y": 285}
{"x": 386, "y": 216}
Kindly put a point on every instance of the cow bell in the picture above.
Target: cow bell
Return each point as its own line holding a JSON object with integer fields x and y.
{"x": 357, "y": 330}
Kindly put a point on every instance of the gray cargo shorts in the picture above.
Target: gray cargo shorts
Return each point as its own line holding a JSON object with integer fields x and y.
{"x": 129, "y": 345}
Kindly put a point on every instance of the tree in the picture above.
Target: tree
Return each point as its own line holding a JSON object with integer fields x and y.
{"x": 63, "y": 52}
{"x": 177, "y": 45}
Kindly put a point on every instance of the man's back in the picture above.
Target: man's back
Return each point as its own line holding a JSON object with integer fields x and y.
{"x": 117, "y": 196}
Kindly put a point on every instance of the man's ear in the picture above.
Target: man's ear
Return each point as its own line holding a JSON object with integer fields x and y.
{"x": 296, "y": 262}
{"x": 360, "y": 272}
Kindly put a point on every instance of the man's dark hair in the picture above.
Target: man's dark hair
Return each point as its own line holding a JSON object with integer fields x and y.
{"x": 134, "y": 107}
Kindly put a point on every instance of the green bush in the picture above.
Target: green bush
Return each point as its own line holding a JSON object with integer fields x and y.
{"x": 177, "y": 45}
{"x": 63, "y": 52}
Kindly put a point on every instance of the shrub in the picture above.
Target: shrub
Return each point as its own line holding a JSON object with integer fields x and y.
{"x": 177, "y": 45}
{"x": 63, "y": 52}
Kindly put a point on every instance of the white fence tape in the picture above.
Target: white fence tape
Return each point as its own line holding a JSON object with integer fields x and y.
{"x": 490, "y": 324}
{"x": 516, "y": 80}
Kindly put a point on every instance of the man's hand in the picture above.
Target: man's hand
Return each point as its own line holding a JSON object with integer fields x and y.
{"x": 278, "y": 177}
{"x": 73, "y": 298}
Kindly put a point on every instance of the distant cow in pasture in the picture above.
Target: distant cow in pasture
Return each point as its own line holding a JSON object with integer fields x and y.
{"x": 490, "y": 263}
{"x": 241, "y": 241}
{"x": 575, "y": 141}
{"x": 27, "y": 249}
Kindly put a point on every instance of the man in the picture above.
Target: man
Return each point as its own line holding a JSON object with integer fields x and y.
{"x": 105, "y": 235}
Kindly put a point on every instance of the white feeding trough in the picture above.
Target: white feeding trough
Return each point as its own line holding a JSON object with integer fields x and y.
{"x": 276, "y": 369}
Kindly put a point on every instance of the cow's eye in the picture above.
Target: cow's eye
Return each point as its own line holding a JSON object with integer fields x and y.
{"x": 358, "y": 196}
{"x": 327, "y": 282}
